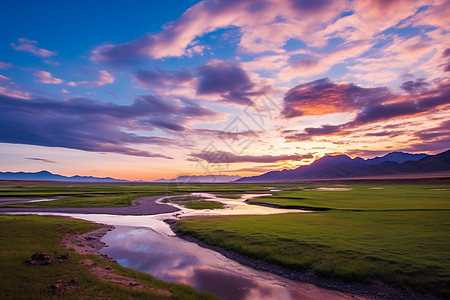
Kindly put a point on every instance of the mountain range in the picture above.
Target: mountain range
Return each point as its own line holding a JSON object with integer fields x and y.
{"x": 47, "y": 176}
{"x": 201, "y": 178}
{"x": 328, "y": 167}
{"x": 342, "y": 166}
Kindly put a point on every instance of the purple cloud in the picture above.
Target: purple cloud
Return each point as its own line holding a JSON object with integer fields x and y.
{"x": 228, "y": 157}
{"x": 27, "y": 45}
{"x": 152, "y": 79}
{"x": 41, "y": 159}
{"x": 227, "y": 79}
{"x": 375, "y": 112}
{"x": 420, "y": 85}
{"x": 94, "y": 126}
{"x": 323, "y": 96}
{"x": 226, "y": 134}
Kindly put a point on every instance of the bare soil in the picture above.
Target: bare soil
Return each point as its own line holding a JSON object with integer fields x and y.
{"x": 90, "y": 243}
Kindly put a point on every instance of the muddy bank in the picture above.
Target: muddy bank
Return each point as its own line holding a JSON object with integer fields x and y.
{"x": 90, "y": 243}
{"x": 376, "y": 290}
{"x": 139, "y": 207}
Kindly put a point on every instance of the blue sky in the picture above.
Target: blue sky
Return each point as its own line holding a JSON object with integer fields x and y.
{"x": 150, "y": 89}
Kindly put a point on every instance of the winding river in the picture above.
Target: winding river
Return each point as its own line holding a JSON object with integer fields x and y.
{"x": 147, "y": 244}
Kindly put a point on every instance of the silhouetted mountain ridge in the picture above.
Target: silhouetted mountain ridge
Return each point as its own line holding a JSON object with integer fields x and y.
{"x": 47, "y": 176}
{"x": 342, "y": 166}
{"x": 201, "y": 178}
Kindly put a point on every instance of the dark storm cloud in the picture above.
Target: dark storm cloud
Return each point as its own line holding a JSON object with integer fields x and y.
{"x": 92, "y": 125}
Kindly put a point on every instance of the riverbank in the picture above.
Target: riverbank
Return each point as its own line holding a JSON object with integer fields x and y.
{"x": 46, "y": 256}
{"x": 375, "y": 290}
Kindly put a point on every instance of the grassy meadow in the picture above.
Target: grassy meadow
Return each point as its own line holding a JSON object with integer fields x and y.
{"x": 362, "y": 197}
{"x": 21, "y": 236}
{"x": 359, "y": 232}
{"x": 113, "y": 195}
{"x": 399, "y": 234}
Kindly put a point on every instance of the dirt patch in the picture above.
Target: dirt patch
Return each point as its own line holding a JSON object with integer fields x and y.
{"x": 90, "y": 243}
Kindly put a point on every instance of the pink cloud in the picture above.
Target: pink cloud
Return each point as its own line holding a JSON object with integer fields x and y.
{"x": 14, "y": 93}
{"x": 46, "y": 77}
{"x": 103, "y": 78}
{"x": 5, "y": 65}
{"x": 30, "y": 46}
{"x": 265, "y": 26}
{"x": 4, "y": 78}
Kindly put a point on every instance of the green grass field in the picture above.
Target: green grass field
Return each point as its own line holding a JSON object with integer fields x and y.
{"x": 399, "y": 234}
{"x": 363, "y": 197}
{"x": 112, "y": 195}
{"x": 21, "y": 236}
{"x": 204, "y": 205}
{"x": 194, "y": 202}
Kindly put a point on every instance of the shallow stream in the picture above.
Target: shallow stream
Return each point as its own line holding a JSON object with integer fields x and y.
{"x": 147, "y": 244}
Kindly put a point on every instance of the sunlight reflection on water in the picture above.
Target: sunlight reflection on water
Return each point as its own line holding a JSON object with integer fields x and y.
{"x": 147, "y": 244}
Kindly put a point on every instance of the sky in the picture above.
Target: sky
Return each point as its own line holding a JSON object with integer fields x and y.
{"x": 143, "y": 90}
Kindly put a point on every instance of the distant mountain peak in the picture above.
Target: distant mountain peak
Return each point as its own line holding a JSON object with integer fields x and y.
{"x": 45, "y": 175}
{"x": 342, "y": 166}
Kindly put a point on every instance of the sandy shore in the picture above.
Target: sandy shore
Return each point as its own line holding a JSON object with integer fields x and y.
{"x": 139, "y": 207}
{"x": 375, "y": 290}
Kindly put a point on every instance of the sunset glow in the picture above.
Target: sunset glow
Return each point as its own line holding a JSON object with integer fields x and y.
{"x": 141, "y": 90}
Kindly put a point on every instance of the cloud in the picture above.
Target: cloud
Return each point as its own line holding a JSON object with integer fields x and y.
{"x": 226, "y": 134}
{"x": 10, "y": 92}
{"x": 41, "y": 159}
{"x": 30, "y": 46}
{"x": 324, "y": 97}
{"x": 46, "y": 77}
{"x": 5, "y": 65}
{"x": 264, "y": 26}
{"x": 103, "y": 78}
{"x": 156, "y": 79}
{"x": 226, "y": 79}
{"x": 228, "y": 157}
{"x": 433, "y": 139}
{"x": 419, "y": 85}
{"x": 89, "y": 125}
{"x": 387, "y": 107}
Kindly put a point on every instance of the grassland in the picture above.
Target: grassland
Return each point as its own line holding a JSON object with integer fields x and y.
{"x": 204, "y": 205}
{"x": 112, "y": 195}
{"x": 21, "y": 236}
{"x": 363, "y": 197}
{"x": 194, "y": 202}
{"x": 399, "y": 234}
